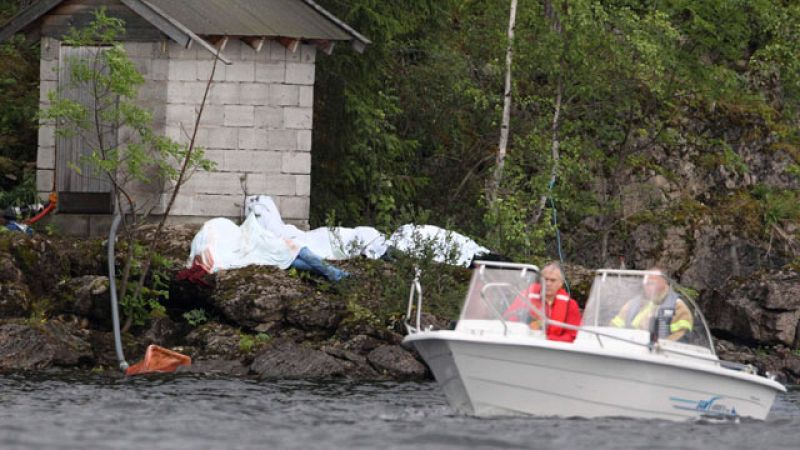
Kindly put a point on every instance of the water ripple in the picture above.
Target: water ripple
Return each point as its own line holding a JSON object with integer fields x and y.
{"x": 74, "y": 410}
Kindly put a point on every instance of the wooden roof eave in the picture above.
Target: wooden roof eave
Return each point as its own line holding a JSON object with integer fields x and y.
{"x": 163, "y": 22}
{"x": 26, "y": 17}
{"x": 359, "y": 41}
{"x": 257, "y": 42}
{"x": 171, "y": 27}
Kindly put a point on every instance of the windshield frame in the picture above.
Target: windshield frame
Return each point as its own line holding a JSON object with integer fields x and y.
{"x": 591, "y": 309}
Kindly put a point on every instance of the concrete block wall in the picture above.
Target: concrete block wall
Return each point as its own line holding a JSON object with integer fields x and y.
{"x": 48, "y": 81}
{"x": 152, "y": 63}
{"x": 256, "y": 126}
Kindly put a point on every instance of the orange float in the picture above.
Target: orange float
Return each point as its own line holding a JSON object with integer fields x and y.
{"x": 159, "y": 360}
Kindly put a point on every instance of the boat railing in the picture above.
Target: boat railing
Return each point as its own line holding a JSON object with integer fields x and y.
{"x": 653, "y": 347}
{"x": 491, "y": 306}
{"x": 416, "y": 292}
{"x": 524, "y": 269}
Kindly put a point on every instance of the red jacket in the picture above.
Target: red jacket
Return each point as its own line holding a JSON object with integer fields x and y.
{"x": 564, "y": 309}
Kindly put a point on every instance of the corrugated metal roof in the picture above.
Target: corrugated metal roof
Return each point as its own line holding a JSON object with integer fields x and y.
{"x": 185, "y": 21}
{"x": 289, "y": 18}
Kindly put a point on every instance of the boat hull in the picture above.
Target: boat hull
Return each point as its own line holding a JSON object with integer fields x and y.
{"x": 484, "y": 377}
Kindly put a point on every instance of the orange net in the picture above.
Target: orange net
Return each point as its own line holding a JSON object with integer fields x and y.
{"x": 159, "y": 360}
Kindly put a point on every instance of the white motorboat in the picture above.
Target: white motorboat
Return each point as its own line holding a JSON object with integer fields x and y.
{"x": 490, "y": 365}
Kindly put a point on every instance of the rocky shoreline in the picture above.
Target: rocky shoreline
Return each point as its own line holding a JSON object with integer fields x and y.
{"x": 271, "y": 324}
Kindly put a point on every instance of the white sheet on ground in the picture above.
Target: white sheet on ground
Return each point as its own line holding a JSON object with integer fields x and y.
{"x": 332, "y": 243}
{"x": 448, "y": 246}
{"x": 338, "y": 243}
{"x": 221, "y": 244}
{"x": 269, "y": 217}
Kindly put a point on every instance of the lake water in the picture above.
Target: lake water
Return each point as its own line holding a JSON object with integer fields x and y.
{"x": 69, "y": 411}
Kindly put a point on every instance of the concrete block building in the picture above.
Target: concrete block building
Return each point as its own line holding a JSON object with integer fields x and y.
{"x": 257, "y": 122}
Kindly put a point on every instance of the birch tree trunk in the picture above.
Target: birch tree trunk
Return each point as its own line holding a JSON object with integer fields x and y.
{"x": 494, "y": 182}
{"x": 555, "y": 142}
{"x": 555, "y": 145}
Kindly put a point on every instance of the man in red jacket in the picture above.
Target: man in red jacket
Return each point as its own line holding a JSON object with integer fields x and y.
{"x": 558, "y": 306}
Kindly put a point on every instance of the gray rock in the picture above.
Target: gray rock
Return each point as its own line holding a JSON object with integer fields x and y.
{"x": 362, "y": 344}
{"x": 779, "y": 360}
{"x": 86, "y": 296}
{"x": 162, "y": 331}
{"x": 315, "y": 312}
{"x": 719, "y": 255}
{"x": 9, "y": 272}
{"x": 356, "y": 366}
{"x": 102, "y": 343}
{"x": 215, "y": 341}
{"x": 267, "y": 299}
{"x": 43, "y": 262}
{"x": 254, "y": 295}
{"x": 54, "y": 343}
{"x": 764, "y": 309}
{"x": 286, "y": 359}
{"x": 226, "y": 367}
{"x": 15, "y": 300}
{"x": 396, "y": 362}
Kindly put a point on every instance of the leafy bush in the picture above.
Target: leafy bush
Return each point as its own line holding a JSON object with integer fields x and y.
{"x": 195, "y": 317}
{"x": 248, "y": 343}
{"x": 148, "y": 303}
{"x": 22, "y": 194}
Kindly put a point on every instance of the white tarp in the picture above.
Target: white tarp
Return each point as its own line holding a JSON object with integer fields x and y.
{"x": 221, "y": 244}
{"x": 335, "y": 243}
{"x": 448, "y": 246}
{"x": 331, "y": 243}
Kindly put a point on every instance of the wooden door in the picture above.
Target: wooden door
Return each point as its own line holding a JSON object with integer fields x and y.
{"x": 84, "y": 190}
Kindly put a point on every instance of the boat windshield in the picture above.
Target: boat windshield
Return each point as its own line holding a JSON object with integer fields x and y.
{"x": 644, "y": 300}
{"x": 498, "y": 291}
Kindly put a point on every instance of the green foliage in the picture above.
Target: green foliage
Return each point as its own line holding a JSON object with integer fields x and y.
{"x": 148, "y": 304}
{"x": 19, "y": 93}
{"x": 22, "y": 194}
{"x": 249, "y": 343}
{"x": 444, "y": 285}
{"x": 195, "y": 317}
{"x": 778, "y": 204}
{"x": 412, "y": 124}
{"x": 360, "y": 314}
{"x": 687, "y": 292}
{"x": 39, "y": 312}
{"x": 368, "y": 165}
{"x": 511, "y": 234}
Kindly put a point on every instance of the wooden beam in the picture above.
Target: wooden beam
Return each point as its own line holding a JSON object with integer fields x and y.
{"x": 359, "y": 41}
{"x": 218, "y": 41}
{"x": 170, "y": 26}
{"x": 358, "y": 46}
{"x": 255, "y": 42}
{"x": 325, "y": 46}
{"x": 26, "y": 17}
{"x": 291, "y": 44}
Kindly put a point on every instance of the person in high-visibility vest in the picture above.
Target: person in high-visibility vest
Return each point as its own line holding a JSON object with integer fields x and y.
{"x": 558, "y": 306}
{"x": 658, "y": 300}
